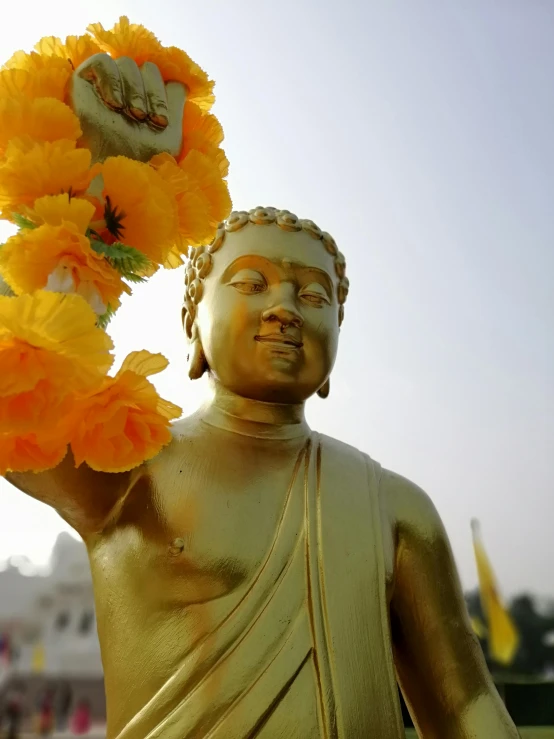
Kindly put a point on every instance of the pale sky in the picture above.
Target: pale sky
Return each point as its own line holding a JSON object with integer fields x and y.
{"x": 419, "y": 133}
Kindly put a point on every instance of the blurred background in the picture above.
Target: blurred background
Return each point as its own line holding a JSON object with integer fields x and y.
{"x": 420, "y": 135}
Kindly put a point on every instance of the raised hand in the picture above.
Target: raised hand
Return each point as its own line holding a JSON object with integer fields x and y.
{"x": 127, "y": 110}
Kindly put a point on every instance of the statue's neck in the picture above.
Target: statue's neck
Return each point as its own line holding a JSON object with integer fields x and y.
{"x": 254, "y": 418}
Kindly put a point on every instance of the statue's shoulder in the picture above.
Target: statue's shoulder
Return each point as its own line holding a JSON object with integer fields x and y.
{"x": 185, "y": 437}
{"x": 406, "y": 502}
{"x": 410, "y": 508}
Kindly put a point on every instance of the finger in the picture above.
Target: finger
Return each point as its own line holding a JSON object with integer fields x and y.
{"x": 102, "y": 72}
{"x": 133, "y": 88}
{"x": 156, "y": 99}
{"x": 176, "y": 95}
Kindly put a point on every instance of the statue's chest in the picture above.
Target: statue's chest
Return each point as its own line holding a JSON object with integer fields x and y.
{"x": 208, "y": 526}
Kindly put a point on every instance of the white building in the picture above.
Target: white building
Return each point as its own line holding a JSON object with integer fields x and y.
{"x": 51, "y": 625}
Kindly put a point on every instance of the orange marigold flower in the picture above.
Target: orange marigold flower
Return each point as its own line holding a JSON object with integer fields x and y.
{"x": 33, "y": 452}
{"x": 42, "y": 119}
{"x": 31, "y": 394}
{"x": 126, "y": 39}
{"x": 176, "y": 65}
{"x": 35, "y": 75}
{"x": 40, "y": 408}
{"x": 30, "y": 170}
{"x": 76, "y": 48}
{"x": 47, "y": 331}
{"x": 59, "y": 258}
{"x": 126, "y": 422}
{"x": 144, "y": 206}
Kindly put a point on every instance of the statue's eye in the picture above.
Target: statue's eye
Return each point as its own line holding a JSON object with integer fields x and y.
{"x": 315, "y": 295}
{"x": 248, "y": 287}
{"x": 248, "y": 282}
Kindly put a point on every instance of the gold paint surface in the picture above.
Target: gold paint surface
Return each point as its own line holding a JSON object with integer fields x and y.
{"x": 257, "y": 579}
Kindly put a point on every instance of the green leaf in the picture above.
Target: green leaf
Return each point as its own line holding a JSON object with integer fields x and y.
{"x": 22, "y": 222}
{"x": 132, "y": 277}
{"x": 126, "y": 259}
{"x": 106, "y": 317}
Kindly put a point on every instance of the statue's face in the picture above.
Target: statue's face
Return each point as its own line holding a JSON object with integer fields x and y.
{"x": 268, "y": 319}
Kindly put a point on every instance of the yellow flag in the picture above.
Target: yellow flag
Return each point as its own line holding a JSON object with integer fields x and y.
{"x": 502, "y": 633}
{"x": 38, "y": 658}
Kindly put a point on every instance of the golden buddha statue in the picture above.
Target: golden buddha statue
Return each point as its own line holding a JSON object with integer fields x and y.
{"x": 257, "y": 579}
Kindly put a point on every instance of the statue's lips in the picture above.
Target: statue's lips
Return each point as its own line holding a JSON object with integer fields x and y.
{"x": 280, "y": 341}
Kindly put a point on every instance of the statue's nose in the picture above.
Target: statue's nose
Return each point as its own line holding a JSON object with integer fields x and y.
{"x": 285, "y": 314}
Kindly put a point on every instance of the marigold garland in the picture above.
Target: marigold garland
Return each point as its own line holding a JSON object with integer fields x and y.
{"x": 80, "y": 247}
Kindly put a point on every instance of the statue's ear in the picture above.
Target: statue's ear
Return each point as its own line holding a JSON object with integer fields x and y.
{"x": 188, "y": 322}
{"x": 325, "y": 389}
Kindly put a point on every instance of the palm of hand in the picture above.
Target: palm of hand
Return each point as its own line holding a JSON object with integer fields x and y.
{"x": 124, "y": 110}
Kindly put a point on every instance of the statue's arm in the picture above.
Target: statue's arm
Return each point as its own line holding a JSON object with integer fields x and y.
{"x": 86, "y": 499}
{"x": 440, "y": 665}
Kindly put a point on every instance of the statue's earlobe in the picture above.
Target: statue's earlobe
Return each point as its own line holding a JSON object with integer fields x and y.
{"x": 196, "y": 360}
{"x": 325, "y": 389}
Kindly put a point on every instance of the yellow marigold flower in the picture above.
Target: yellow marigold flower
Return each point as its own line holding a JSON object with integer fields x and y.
{"x": 42, "y": 119}
{"x": 193, "y": 208}
{"x": 126, "y": 39}
{"x": 175, "y": 65}
{"x": 203, "y": 132}
{"x": 59, "y": 258}
{"x": 206, "y": 175}
{"x": 126, "y": 422}
{"x": 214, "y": 153}
{"x": 198, "y": 121}
{"x": 144, "y": 206}
{"x": 202, "y": 198}
{"x": 30, "y": 170}
{"x": 76, "y": 48}
{"x": 14, "y": 82}
{"x": 34, "y": 452}
{"x": 175, "y": 257}
{"x": 35, "y": 75}
{"x": 63, "y": 331}
{"x": 56, "y": 209}
{"x": 50, "y": 348}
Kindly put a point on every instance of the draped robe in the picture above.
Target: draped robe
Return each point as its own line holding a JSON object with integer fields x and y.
{"x": 306, "y": 652}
